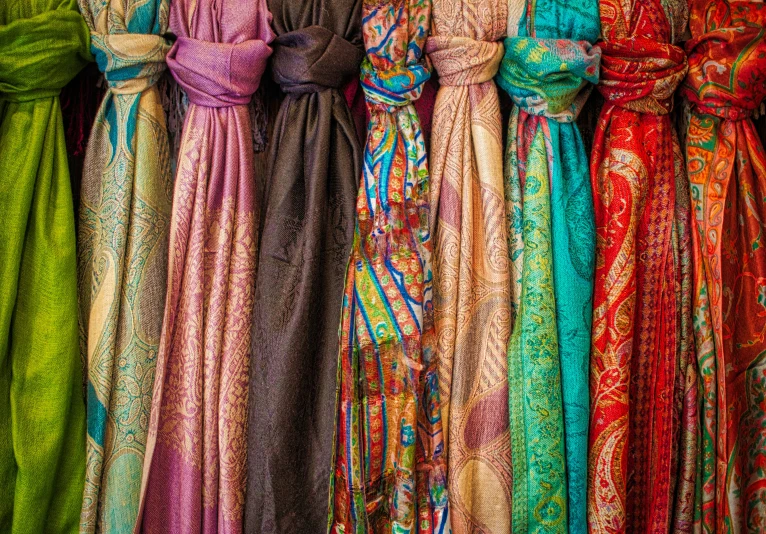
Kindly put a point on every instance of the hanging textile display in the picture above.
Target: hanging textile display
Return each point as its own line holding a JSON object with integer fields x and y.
{"x": 195, "y": 470}
{"x": 44, "y": 45}
{"x": 122, "y": 246}
{"x": 389, "y": 473}
{"x": 642, "y": 426}
{"x": 471, "y": 277}
{"x": 315, "y": 162}
{"x": 727, "y": 171}
{"x": 549, "y": 64}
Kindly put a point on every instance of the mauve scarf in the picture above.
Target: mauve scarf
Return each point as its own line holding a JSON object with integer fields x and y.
{"x": 196, "y": 458}
{"x": 549, "y": 64}
{"x": 389, "y": 467}
{"x": 727, "y": 171}
{"x": 44, "y": 44}
{"x": 471, "y": 277}
{"x": 122, "y": 240}
{"x": 642, "y": 426}
{"x": 314, "y": 166}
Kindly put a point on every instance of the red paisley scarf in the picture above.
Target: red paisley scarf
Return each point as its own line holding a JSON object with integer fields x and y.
{"x": 642, "y": 411}
{"x": 727, "y": 171}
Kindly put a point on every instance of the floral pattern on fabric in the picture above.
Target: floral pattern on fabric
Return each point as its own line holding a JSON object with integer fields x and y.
{"x": 727, "y": 171}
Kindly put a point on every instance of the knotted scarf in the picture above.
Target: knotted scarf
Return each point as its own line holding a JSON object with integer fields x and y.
{"x": 315, "y": 162}
{"x": 727, "y": 171}
{"x": 195, "y": 471}
{"x": 471, "y": 278}
{"x": 389, "y": 473}
{"x": 642, "y": 425}
{"x": 44, "y": 44}
{"x": 122, "y": 246}
{"x": 549, "y": 63}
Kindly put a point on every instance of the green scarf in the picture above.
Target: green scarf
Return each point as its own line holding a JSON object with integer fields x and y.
{"x": 44, "y": 44}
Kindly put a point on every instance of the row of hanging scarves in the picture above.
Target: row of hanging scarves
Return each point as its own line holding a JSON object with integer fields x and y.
{"x": 461, "y": 396}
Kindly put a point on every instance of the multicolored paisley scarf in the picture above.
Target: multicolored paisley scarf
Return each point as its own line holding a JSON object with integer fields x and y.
{"x": 471, "y": 277}
{"x": 549, "y": 63}
{"x": 44, "y": 44}
{"x": 389, "y": 471}
{"x": 124, "y": 215}
{"x": 727, "y": 171}
{"x": 195, "y": 469}
{"x": 314, "y": 167}
{"x": 642, "y": 427}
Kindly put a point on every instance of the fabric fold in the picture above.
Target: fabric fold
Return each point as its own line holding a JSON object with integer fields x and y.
{"x": 471, "y": 274}
{"x": 44, "y": 45}
{"x": 389, "y": 472}
{"x": 727, "y": 171}
{"x": 195, "y": 472}
{"x": 125, "y": 205}
{"x": 643, "y": 383}
{"x": 550, "y": 61}
{"x": 314, "y": 166}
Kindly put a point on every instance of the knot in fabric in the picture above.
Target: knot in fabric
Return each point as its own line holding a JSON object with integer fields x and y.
{"x": 42, "y": 54}
{"x": 313, "y": 59}
{"x": 131, "y": 62}
{"x": 218, "y": 75}
{"x": 395, "y": 86}
{"x": 641, "y": 74}
{"x": 464, "y": 61}
{"x": 727, "y": 72}
{"x": 546, "y": 77}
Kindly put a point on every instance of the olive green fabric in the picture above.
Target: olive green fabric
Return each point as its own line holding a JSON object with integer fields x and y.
{"x": 43, "y": 44}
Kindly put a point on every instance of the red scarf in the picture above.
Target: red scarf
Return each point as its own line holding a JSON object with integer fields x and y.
{"x": 727, "y": 171}
{"x": 642, "y": 346}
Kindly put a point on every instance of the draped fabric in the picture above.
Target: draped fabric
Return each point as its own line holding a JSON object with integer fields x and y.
{"x": 548, "y": 65}
{"x": 315, "y": 162}
{"x": 471, "y": 277}
{"x": 389, "y": 473}
{"x": 195, "y": 471}
{"x": 643, "y": 381}
{"x": 44, "y": 44}
{"x": 122, "y": 246}
{"x": 727, "y": 171}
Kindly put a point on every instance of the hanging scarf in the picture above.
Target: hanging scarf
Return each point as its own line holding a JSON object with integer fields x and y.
{"x": 122, "y": 242}
{"x": 314, "y": 166}
{"x": 727, "y": 171}
{"x": 195, "y": 469}
{"x": 549, "y": 61}
{"x": 640, "y": 464}
{"x": 471, "y": 277}
{"x": 44, "y": 44}
{"x": 389, "y": 471}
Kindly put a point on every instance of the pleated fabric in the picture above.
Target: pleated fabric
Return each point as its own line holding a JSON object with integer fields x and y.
{"x": 122, "y": 247}
{"x": 471, "y": 277}
{"x": 727, "y": 171}
{"x": 389, "y": 474}
{"x": 643, "y": 377}
{"x": 549, "y": 64}
{"x": 195, "y": 471}
{"x": 315, "y": 162}
{"x": 44, "y": 45}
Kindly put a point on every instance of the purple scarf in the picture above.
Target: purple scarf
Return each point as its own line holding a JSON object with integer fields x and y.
{"x": 197, "y": 443}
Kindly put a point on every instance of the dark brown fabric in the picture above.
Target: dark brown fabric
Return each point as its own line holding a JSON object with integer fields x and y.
{"x": 315, "y": 163}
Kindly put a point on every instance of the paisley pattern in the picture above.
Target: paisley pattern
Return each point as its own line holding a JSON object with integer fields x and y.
{"x": 641, "y": 431}
{"x": 471, "y": 277}
{"x": 548, "y": 65}
{"x": 727, "y": 171}
{"x": 196, "y": 457}
{"x": 122, "y": 241}
{"x": 389, "y": 471}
